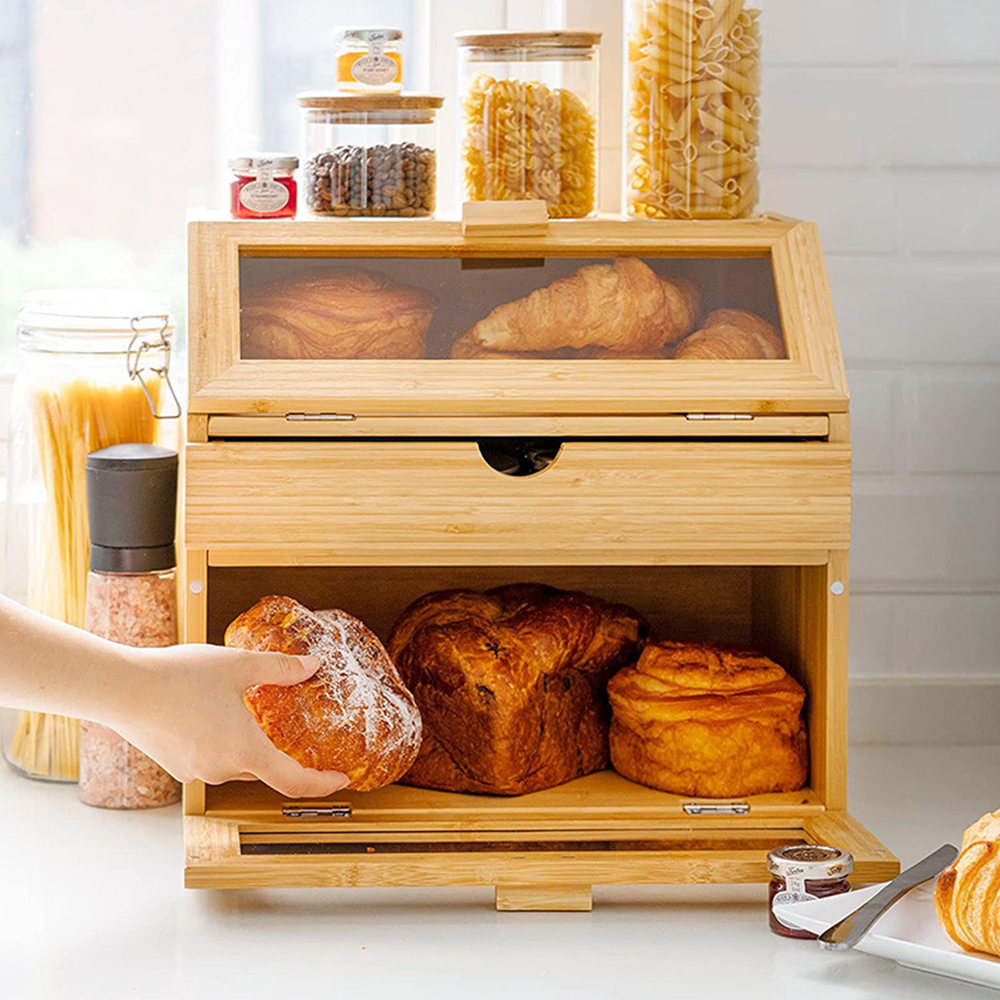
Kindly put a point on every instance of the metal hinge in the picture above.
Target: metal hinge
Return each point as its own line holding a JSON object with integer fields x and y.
{"x": 340, "y": 810}
{"x": 320, "y": 416}
{"x": 718, "y": 416}
{"x": 716, "y": 808}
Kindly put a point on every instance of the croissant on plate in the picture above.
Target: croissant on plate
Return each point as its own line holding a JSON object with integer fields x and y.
{"x": 732, "y": 335}
{"x": 624, "y": 307}
{"x": 967, "y": 896}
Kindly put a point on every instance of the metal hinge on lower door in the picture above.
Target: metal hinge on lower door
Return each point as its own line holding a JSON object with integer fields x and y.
{"x": 320, "y": 416}
{"x": 716, "y": 808}
{"x": 718, "y": 416}
{"x": 340, "y": 810}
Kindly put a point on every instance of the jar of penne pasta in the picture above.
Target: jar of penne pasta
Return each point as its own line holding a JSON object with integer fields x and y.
{"x": 529, "y": 118}
{"x": 692, "y": 109}
{"x": 92, "y": 372}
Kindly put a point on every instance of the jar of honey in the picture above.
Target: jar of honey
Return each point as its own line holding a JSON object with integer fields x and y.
{"x": 801, "y": 872}
{"x": 369, "y": 59}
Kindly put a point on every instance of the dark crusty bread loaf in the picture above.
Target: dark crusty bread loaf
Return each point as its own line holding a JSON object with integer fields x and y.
{"x": 510, "y": 684}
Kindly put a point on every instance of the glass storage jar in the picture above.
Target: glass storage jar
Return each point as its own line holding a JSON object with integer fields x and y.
{"x": 131, "y": 599}
{"x": 529, "y": 118}
{"x": 692, "y": 93}
{"x": 92, "y": 368}
{"x": 369, "y": 59}
{"x": 370, "y": 154}
{"x": 801, "y": 872}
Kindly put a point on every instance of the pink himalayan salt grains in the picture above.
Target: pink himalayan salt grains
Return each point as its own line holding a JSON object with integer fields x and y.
{"x": 135, "y": 609}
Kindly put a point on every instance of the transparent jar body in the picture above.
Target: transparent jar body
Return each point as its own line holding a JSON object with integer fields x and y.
{"x": 529, "y": 125}
{"x": 72, "y": 395}
{"x": 692, "y": 109}
{"x": 135, "y": 609}
{"x": 380, "y": 162}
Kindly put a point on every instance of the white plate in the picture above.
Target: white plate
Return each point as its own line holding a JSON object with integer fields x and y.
{"x": 908, "y": 933}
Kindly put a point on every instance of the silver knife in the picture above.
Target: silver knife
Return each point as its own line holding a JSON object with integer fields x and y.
{"x": 848, "y": 932}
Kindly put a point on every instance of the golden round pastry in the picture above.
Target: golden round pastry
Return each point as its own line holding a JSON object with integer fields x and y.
{"x": 348, "y": 313}
{"x": 708, "y": 720}
{"x": 353, "y": 715}
{"x": 967, "y": 895}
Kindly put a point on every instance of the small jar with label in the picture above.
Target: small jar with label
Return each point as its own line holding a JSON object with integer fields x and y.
{"x": 263, "y": 186}
{"x": 369, "y": 59}
{"x": 802, "y": 872}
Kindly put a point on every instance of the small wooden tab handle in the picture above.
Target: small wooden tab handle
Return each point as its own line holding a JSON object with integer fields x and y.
{"x": 505, "y": 218}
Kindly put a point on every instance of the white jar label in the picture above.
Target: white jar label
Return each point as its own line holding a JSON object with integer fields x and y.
{"x": 790, "y": 896}
{"x": 264, "y": 196}
{"x": 374, "y": 70}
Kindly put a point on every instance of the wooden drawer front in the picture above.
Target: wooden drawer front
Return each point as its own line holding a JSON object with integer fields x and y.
{"x": 439, "y": 503}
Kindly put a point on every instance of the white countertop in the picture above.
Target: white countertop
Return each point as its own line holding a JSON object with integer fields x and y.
{"x": 92, "y": 906}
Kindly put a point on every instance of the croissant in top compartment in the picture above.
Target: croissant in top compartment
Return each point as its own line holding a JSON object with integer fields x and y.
{"x": 344, "y": 314}
{"x": 732, "y": 335}
{"x": 624, "y": 307}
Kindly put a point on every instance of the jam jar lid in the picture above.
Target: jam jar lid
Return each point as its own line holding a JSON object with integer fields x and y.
{"x": 812, "y": 862}
{"x": 264, "y": 161}
{"x": 365, "y": 35}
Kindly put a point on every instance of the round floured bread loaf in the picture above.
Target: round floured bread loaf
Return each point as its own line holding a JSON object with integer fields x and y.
{"x": 708, "y": 720}
{"x": 353, "y": 715}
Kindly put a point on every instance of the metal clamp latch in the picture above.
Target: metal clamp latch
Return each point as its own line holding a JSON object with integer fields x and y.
{"x": 716, "y": 808}
{"x": 340, "y": 810}
{"x": 136, "y": 368}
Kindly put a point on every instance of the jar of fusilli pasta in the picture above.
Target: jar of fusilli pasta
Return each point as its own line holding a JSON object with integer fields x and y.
{"x": 692, "y": 109}
{"x": 529, "y": 118}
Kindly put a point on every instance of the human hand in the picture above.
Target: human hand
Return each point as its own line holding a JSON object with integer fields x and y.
{"x": 183, "y": 706}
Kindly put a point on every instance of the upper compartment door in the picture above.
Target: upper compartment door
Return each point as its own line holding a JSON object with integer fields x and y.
{"x": 606, "y": 317}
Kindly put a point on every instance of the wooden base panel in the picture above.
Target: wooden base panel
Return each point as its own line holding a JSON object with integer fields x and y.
{"x": 544, "y": 897}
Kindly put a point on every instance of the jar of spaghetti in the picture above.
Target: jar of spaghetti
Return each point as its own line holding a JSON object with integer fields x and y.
{"x": 263, "y": 186}
{"x": 529, "y": 118}
{"x": 692, "y": 99}
{"x": 802, "y": 872}
{"x": 92, "y": 371}
{"x": 369, "y": 59}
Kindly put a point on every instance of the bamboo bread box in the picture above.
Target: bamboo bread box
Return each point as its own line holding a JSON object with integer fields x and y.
{"x": 711, "y": 495}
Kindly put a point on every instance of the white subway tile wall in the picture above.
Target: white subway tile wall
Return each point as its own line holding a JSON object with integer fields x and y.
{"x": 882, "y": 123}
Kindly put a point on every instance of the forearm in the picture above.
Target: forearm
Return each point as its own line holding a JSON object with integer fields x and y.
{"x": 48, "y": 666}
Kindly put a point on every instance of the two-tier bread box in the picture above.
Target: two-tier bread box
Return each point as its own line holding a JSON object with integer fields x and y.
{"x": 712, "y": 495}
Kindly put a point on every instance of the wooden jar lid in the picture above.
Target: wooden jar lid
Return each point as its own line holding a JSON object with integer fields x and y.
{"x": 335, "y": 100}
{"x": 528, "y": 39}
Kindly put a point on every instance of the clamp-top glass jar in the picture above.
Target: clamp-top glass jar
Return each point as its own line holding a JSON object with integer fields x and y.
{"x": 529, "y": 118}
{"x": 93, "y": 372}
{"x": 370, "y": 154}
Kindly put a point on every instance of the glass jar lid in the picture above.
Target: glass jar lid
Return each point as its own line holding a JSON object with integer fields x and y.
{"x": 365, "y": 35}
{"x": 528, "y": 46}
{"x": 812, "y": 862}
{"x": 371, "y": 107}
{"x": 264, "y": 161}
{"x": 95, "y": 312}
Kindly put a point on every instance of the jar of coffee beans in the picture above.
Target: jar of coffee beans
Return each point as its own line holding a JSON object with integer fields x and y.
{"x": 369, "y": 155}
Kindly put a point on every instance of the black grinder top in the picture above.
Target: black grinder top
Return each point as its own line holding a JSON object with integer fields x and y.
{"x": 132, "y": 508}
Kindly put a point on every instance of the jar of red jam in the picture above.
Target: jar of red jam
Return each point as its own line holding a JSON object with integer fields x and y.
{"x": 802, "y": 872}
{"x": 263, "y": 186}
